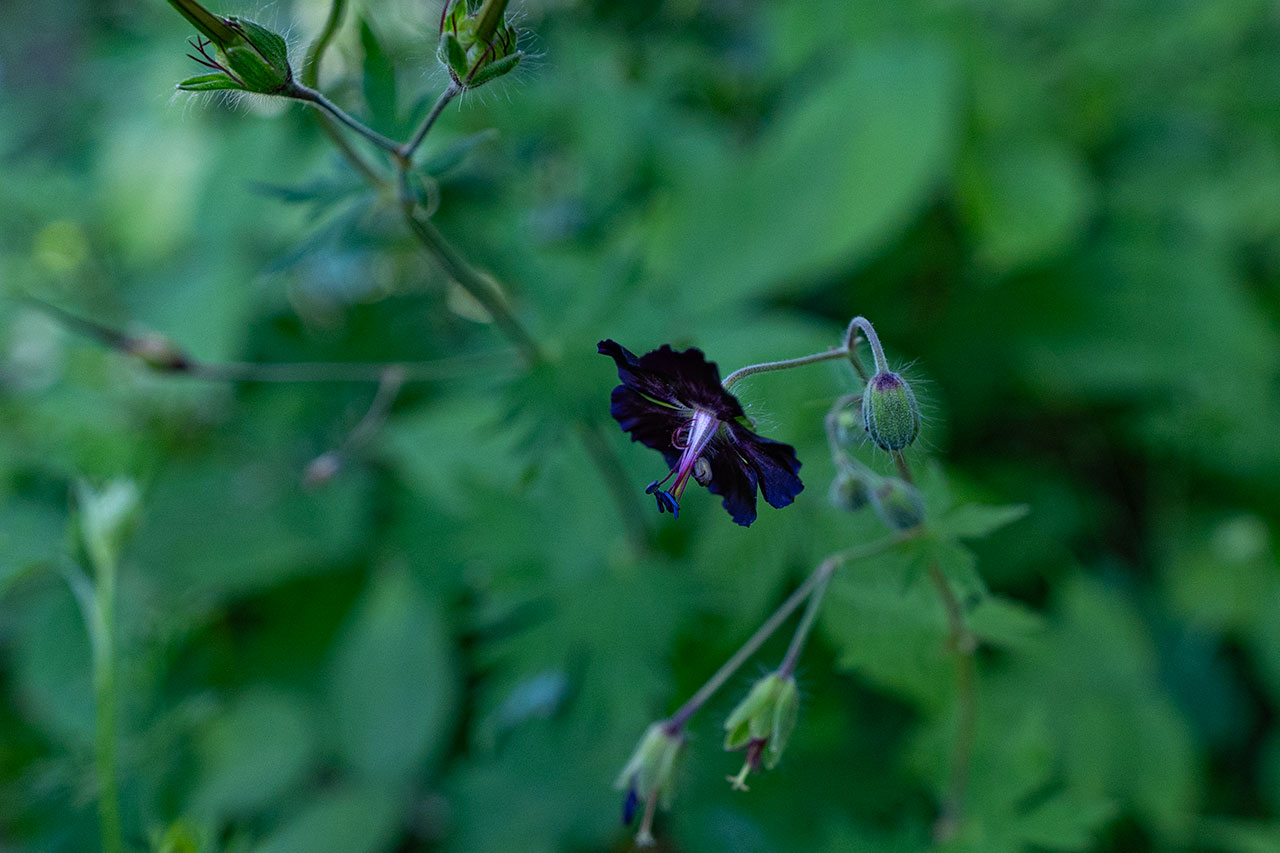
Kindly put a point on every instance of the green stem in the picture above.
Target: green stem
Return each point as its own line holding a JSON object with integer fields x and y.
{"x": 104, "y": 691}
{"x": 743, "y": 372}
{"x": 480, "y": 289}
{"x": 819, "y": 576}
{"x": 299, "y": 92}
{"x": 407, "y": 150}
{"x": 789, "y": 661}
{"x": 877, "y": 351}
{"x": 851, "y": 346}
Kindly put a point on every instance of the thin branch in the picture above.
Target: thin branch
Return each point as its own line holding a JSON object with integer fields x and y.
{"x": 407, "y": 150}
{"x": 306, "y": 94}
{"x": 480, "y": 288}
{"x": 786, "y": 364}
{"x": 792, "y": 657}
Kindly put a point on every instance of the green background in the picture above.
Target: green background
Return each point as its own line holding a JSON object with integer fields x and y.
{"x": 1063, "y": 215}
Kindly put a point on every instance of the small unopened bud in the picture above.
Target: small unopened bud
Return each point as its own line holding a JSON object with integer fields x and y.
{"x": 762, "y": 724}
{"x": 477, "y": 48}
{"x": 845, "y": 424}
{"x": 321, "y": 470}
{"x": 850, "y": 490}
{"x": 898, "y": 504}
{"x": 246, "y": 57}
{"x": 106, "y": 516}
{"x": 889, "y": 411}
{"x": 649, "y": 776}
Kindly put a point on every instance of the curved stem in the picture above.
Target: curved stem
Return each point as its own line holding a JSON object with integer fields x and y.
{"x": 743, "y": 372}
{"x": 310, "y": 77}
{"x": 820, "y": 575}
{"x": 877, "y": 351}
{"x": 300, "y": 92}
{"x": 851, "y": 346}
{"x": 407, "y": 150}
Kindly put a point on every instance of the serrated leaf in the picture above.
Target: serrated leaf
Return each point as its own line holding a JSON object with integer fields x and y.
{"x": 209, "y": 83}
{"x": 1004, "y": 622}
{"x": 972, "y": 521}
{"x": 393, "y": 686}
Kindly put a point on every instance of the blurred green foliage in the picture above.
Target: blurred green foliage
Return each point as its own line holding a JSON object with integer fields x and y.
{"x": 1063, "y": 216}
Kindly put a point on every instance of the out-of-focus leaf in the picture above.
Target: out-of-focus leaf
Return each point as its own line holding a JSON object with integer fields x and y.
{"x": 349, "y": 820}
{"x": 833, "y": 178}
{"x": 1004, "y": 622}
{"x": 252, "y": 753}
{"x": 31, "y": 534}
{"x": 973, "y": 521}
{"x": 393, "y": 688}
{"x": 379, "y": 80}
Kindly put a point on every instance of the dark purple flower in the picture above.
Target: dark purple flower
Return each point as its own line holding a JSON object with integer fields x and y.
{"x": 673, "y": 402}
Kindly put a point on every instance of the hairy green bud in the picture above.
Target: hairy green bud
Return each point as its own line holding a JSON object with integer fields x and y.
{"x": 762, "y": 724}
{"x": 850, "y": 490}
{"x": 650, "y": 772}
{"x": 246, "y": 56}
{"x": 477, "y": 48}
{"x": 889, "y": 411}
{"x": 898, "y": 504}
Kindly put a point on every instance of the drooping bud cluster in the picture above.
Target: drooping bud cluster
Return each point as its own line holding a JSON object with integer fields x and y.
{"x": 649, "y": 776}
{"x": 476, "y": 48}
{"x": 246, "y": 56}
{"x": 898, "y": 504}
{"x": 762, "y": 724}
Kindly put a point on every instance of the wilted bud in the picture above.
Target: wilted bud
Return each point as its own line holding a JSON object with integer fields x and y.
{"x": 105, "y": 518}
{"x": 762, "y": 724}
{"x": 898, "y": 504}
{"x": 247, "y": 56}
{"x": 649, "y": 776}
{"x": 476, "y": 48}
{"x": 889, "y": 411}
{"x": 850, "y": 490}
{"x": 158, "y": 353}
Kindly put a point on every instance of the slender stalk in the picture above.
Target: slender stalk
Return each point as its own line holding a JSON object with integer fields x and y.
{"x": 306, "y": 94}
{"x": 743, "y": 372}
{"x": 819, "y": 576}
{"x": 615, "y": 479}
{"x": 789, "y": 661}
{"x": 104, "y": 694}
{"x": 407, "y": 150}
{"x": 851, "y": 346}
{"x": 877, "y": 351}
{"x": 481, "y": 289}
{"x": 964, "y": 645}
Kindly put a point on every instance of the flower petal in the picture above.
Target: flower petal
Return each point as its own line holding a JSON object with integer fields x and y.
{"x": 681, "y": 378}
{"x": 734, "y": 480}
{"x": 776, "y": 466}
{"x": 650, "y": 424}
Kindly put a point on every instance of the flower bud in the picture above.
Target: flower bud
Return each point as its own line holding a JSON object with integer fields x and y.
{"x": 158, "y": 353}
{"x": 898, "y": 504}
{"x": 850, "y": 490}
{"x": 106, "y": 516}
{"x": 477, "y": 48}
{"x": 247, "y": 56}
{"x": 889, "y": 411}
{"x": 762, "y": 724}
{"x": 649, "y": 775}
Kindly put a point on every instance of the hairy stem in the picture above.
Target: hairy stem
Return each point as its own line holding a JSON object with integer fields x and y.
{"x": 743, "y": 372}
{"x": 820, "y": 576}
{"x": 877, "y": 351}
{"x": 407, "y": 150}
{"x": 851, "y": 346}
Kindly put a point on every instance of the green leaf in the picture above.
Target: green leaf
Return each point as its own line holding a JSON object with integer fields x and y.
{"x": 834, "y": 177}
{"x": 1004, "y": 622}
{"x": 494, "y": 70}
{"x": 379, "y": 80}
{"x": 973, "y": 521}
{"x": 209, "y": 83}
{"x": 360, "y": 820}
{"x": 1065, "y": 822}
{"x": 393, "y": 687}
{"x": 1027, "y": 201}
{"x": 252, "y": 754}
